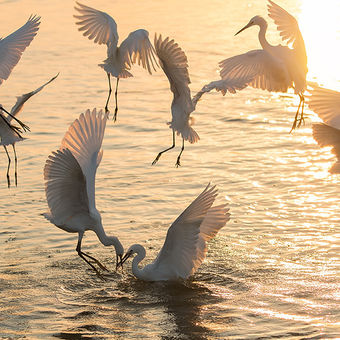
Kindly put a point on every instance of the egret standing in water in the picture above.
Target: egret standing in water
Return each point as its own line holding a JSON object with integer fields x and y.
{"x": 136, "y": 47}
{"x": 185, "y": 245}
{"x": 70, "y": 176}
{"x": 276, "y": 68}
{"x": 10, "y": 136}
{"x": 326, "y": 103}
{"x": 11, "y": 49}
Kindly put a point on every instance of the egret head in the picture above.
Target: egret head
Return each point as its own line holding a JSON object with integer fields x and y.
{"x": 119, "y": 250}
{"x": 134, "y": 249}
{"x": 256, "y": 20}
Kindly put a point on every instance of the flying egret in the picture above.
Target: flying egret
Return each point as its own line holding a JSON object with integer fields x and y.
{"x": 326, "y": 103}
{"x": 11, "y": 49}
{"x": 174, "y": 63}
{"x": 70, "y": 183}
{"x": 276, "y": 68}
{"x": 136, "y": 47}
{"x": 185, "y": 246}
{"x": 11, "y": 135}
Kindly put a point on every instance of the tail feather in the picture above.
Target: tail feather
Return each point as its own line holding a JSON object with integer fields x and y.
{"x": 189, "y": 134}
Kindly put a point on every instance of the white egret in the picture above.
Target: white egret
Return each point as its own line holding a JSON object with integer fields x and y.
{"x": 11, "y": 49}
{"x": 11, "y": 135}
{"x": 276, "y": 68}
{"x": 326, "y": 103}
{"x": 70, "y": 183}
{"x": 185, "y": 246}
{"x": 136, "y": 47}
{"x": 174, "y": 63}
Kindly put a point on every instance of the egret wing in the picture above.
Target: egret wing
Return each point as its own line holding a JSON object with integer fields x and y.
{"x": 326, "y": 103}
{"x": 286, "y": 24}
{"x": 65, "y": 187}
{"x": 223, "y": 85}
{"x": 97, "y": 25}
{"x": 22, "y": 99}
{"x": 174, "y": 63}
{"x": 137, "y": 48}
{"x": 326, "y": 135}
{"x": 12, "y": 47}
{"x": 181, "y": 252}
{"x": 267, "y": 72}
{"x": 84, "y": 139}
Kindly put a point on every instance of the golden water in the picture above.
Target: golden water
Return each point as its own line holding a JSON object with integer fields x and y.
{"x": 273, "y": 271}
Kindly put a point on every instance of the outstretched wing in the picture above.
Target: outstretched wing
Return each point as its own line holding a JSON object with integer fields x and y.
{"x": 288, "y": 27}
{"x": 267, "y": 72}
{"x": 12, "y": 47}
{"x": 326, "y": 103}
{"x": 174, "y": 63}
{"x": 84, "y": 139}
{"x": 97, "y": 25}
{"x": 182, "y": 251}
{"x": 65, "y": 187}
{"x": 223, "y": 85}
{"x": 22, "y": 99}
{"x": 326, "y": 135}
{"x": 137, "y": 48}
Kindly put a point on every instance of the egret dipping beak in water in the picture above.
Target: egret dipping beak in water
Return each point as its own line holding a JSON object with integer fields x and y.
{"x": 185, "y": 245}
{"x": 70, "y": 183}
{"x": 276, "y": 68}
{"x": 9, "y": 133}
{"x": 136, "y": 48}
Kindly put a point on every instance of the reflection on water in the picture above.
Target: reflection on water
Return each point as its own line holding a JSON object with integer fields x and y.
{"x": 273, "y": 271}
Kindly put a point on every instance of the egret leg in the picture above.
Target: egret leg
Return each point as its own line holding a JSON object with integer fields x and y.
{"x": 24, "y": 126}
{"x": 178, "y": 163}
{"x": 302, "y": 101}
{"x": 109, "y": 95}
{"x": 16, "y": 166}
{"x": 171, "y": 147}
{"x": 82, "y": 255}
{"x": 9, "y": 164}
{"x": 116, "y": 98}
{"x": 296, "y": 116}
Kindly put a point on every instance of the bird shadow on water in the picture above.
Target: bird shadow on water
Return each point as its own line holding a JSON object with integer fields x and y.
{"x": 126, "y": 307}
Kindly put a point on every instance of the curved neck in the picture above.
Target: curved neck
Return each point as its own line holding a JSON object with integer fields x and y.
{"x": 262, "y": 36}
{"x": 139, "y": 273}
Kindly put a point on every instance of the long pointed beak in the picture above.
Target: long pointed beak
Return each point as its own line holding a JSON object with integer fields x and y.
{"x": 242, "y": 29}
{"x": 119, "y": 262}
{"x": 125, "y": 257}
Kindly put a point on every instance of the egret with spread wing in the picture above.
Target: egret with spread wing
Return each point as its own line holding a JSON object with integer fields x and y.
{"x": 185, "y": 245}
{"x": 174, "y": 63}
{"x": 11, "y": 135}
{"x": 276, "y": 68}
{"x": 326, "y": 103}
{"x": 136, "y": 48}
{"x": 70, "y": 176}
{"x": 11, "y": 49}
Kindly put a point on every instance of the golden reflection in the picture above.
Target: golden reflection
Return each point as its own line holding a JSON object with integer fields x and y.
{"x": 319, "y": 22}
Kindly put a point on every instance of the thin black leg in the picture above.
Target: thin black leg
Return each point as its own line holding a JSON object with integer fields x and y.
{"x": 109, "y": 95}
{"x": 302, "y": 119}
{"x": 9, "y": 164}
{"x": 178, "y": 163}
{"x": 296, "y": 116}
{"x": 116, "y": 98}
{"x": 16, "y": 166}
{"x": 82, "y": 255}
{"x": 171, "y": 147}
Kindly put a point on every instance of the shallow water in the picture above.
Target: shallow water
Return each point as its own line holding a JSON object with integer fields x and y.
{"x": 272, "y": 272}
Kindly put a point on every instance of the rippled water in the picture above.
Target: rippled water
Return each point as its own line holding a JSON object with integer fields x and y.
{"x": 272, "y": 272}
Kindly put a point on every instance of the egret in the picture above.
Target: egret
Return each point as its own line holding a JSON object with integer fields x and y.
{"x": 174, "y": 63}
{"x": 276, "y": 68}
{"x": 70, "y": 183}
{"x": 326, "y": 103}
{"x": 185, "y": 245}
{"x": 11, "y": 49}
{"x": 11, "y": 135}
{"x": 136, "y": 47}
